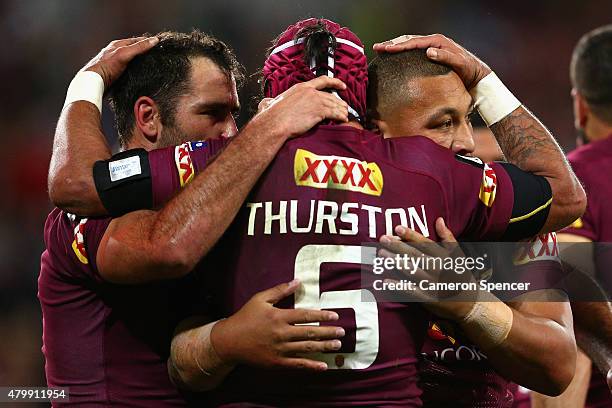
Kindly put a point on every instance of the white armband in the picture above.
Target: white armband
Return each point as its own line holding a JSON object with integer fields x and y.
{"x": 86, "y": 86}
{"x": 493, "y": 100}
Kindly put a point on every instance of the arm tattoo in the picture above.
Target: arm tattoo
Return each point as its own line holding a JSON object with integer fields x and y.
{"x": 523, "y": 138}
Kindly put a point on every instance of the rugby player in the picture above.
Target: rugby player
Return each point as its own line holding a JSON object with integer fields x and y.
{"x": 591, "y": 329}
{"x": 591, "y": 76}
{"x": 433, "y": 100}
{"x": 460, "y": 86}
{"x": 325, "y": 191}
{"x": 108, "y": 313}
{"x": 585, "y": 329}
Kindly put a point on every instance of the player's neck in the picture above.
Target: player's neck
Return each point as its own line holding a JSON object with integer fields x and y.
{"x": 353, "y": 123}
{"x": 139, "y": 141}
{"x": 597, "y": 129}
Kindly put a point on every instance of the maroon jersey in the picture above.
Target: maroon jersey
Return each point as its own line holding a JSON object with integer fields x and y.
{"x": 109, "y": 343}
{"x": 324, "y": 195}
{"x": 592, "y": 164}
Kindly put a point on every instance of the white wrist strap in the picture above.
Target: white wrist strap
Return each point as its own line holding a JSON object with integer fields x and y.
{"x": 493, "y": 100}
{"x": 208, "y": 349}
{"x": 86, "y": 86}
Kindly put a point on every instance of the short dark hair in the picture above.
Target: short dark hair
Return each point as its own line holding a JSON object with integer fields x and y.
{"x": 388, "y": 75}
{"x": 591, "y": 70}
{"x": 163, "y": 73}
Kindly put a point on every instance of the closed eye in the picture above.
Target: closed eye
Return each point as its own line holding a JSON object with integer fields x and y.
{"x": 446, "y": 124}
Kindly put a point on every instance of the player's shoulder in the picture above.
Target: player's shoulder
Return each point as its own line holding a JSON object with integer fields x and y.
{"x": 57, "y": 223}
{"x": 63, "y": 230}
{"x": 61, "y": 220}
{"x": 592, "y": 164}
{"x": 416, "y": 156}
{"x": 599, "y": 152}
{"x": 421, "y": 155}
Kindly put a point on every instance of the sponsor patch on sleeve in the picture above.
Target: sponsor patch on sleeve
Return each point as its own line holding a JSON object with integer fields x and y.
{"x": 184, "y": 164}
{"x": 124, "y": 168}
{"x": 337, "y": 172}
{"x": 488, "y": 186}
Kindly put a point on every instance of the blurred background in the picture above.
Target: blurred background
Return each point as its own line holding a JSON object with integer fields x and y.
{"x": 45, "y": 42}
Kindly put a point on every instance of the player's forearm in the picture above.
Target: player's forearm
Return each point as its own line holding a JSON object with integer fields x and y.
{"x": 527, "y": 143}
{"x": 538, "y": 353}
{"x": 593, "y": 327}
{"x": 192, "y": 222}
{"x": 194, "y": 363}
{"x": 77, "y": 145}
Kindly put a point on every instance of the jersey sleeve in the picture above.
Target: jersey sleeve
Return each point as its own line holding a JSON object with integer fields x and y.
{"x": 537, "y": 262}
{"x": 73, "y": 243}
{"x": 496, "y": 201}
{"x": 586, "y": 226}
{"x": 136, "y": 179}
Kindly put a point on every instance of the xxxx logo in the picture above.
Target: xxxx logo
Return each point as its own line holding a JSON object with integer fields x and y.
{"x": 184, "y": 165}
{"x": 543, "y": 247}
{"x": 488, "y": 186}
{"x": 337, "y": 172}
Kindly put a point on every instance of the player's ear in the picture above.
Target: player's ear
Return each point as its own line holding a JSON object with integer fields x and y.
{"x": 581, "y": 109}
{"x": 147, "y": 117}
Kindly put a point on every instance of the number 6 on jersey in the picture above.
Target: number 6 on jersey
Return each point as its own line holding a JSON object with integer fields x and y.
{"x": 308, "y": 270}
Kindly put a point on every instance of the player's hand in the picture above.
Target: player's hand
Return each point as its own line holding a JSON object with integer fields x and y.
{"x": 262, "y": 335}
{"x": 304, "y": 105}
{"x": 112, "y": 60}
{"x": 416, "y": 246}
{"x": 443, "y": 50}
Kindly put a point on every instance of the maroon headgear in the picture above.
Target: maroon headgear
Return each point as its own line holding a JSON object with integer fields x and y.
{"x": 285, "y": 66}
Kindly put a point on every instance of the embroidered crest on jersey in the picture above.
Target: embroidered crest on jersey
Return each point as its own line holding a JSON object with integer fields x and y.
{"x": 337, "y": 172}
{"x": 541, "y": 248}
{"x": 78, "y": 245}
{"x": 488, "y": 186}
{"x": 184, "y": 164}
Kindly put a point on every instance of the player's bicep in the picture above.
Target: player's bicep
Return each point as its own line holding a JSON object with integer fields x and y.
{"x": 125, "y": 255}
{"x": 532, "y": 201}
{"x": 136, "y": 179}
